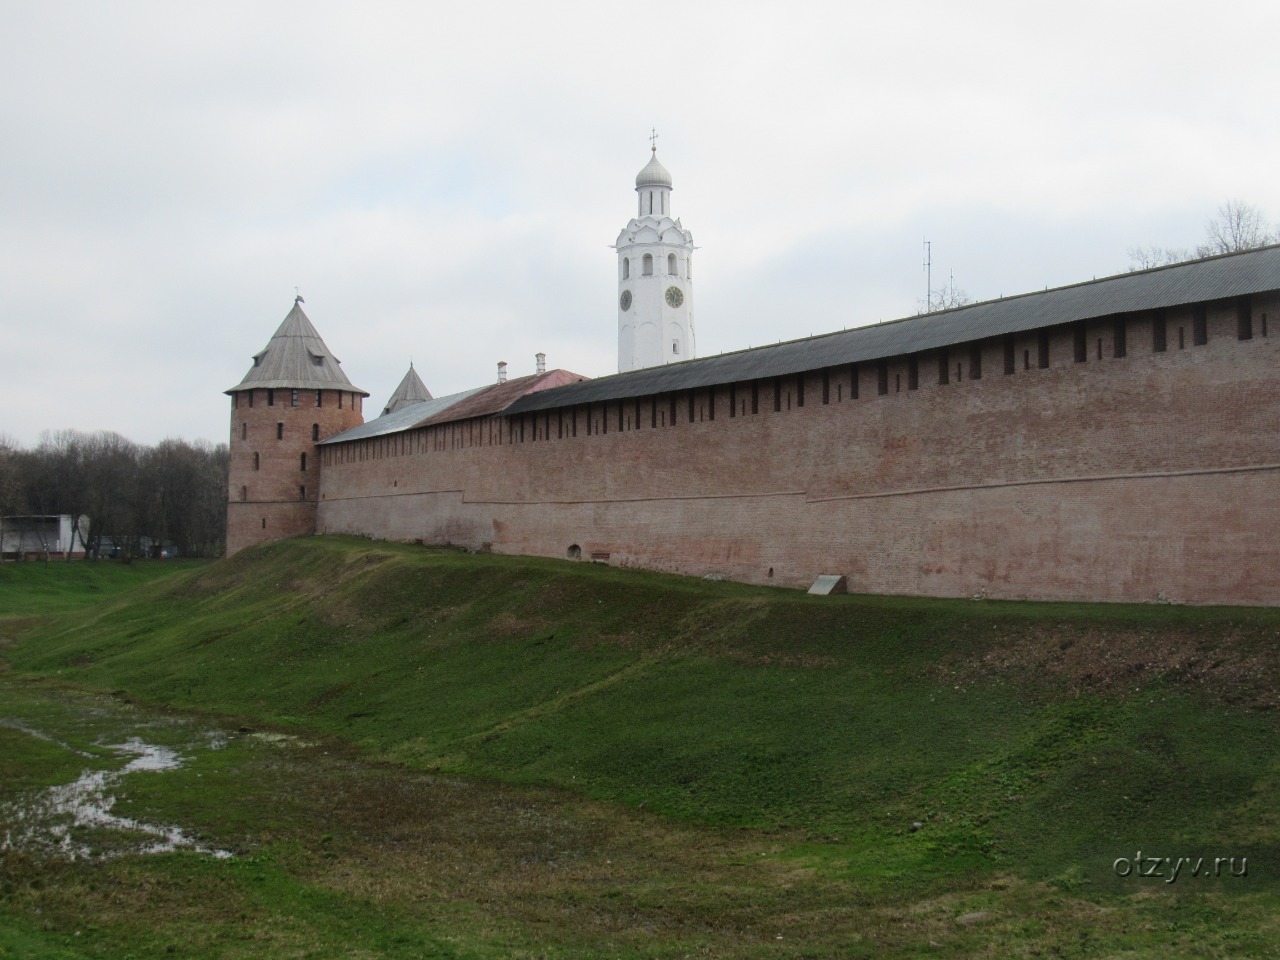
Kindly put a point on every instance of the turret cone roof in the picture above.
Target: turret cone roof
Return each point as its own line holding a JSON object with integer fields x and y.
{"x": 411, "y": 390}
{"x": 296, "y": 357}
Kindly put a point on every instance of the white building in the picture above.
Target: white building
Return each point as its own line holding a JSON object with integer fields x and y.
{"x": 655, "y": 285}
{"x": 52, "y": 535}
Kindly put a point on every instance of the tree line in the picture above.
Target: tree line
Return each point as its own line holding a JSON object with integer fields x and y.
{"x": 171, "y": 494}
{"x": 1237, "y": 226}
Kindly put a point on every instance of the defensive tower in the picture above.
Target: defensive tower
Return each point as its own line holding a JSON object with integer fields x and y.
{"x": 294, "y": 395}
{"x": 411, "y": 390}
{"x": 655, "y": 278}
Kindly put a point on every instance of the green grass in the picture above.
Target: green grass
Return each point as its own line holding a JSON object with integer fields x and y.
{"x": 38, "y": 588}
{"x": 1033, "y": 743}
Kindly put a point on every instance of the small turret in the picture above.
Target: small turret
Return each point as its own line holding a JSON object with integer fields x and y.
{"x": 411, "y": 390}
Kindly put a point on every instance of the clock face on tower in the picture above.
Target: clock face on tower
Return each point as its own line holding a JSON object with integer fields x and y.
{"x": 675, "y": 296}
{"x": 624, "y": 301}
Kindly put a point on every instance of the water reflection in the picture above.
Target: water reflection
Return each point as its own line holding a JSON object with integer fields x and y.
{"x": 74, "y": 820}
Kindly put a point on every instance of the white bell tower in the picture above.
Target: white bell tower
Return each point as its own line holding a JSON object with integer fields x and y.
{"x": 655, "y": 285}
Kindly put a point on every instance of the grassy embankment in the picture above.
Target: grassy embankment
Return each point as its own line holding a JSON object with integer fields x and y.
{"x": 38, "y": 588}
{"x": 1035, "y": 744}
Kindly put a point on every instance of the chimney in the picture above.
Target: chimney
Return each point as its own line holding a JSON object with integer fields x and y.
{"x": 542, "y": 362}
{"x": 502, "y": 371}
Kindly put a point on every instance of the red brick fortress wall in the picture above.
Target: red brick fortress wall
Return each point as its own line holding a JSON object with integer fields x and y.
{"x": 1095, "y": 468}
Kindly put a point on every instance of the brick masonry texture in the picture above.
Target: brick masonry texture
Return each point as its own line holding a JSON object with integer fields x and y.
{"x": 1127, "y": 478}
{"x": 275, "y": 496}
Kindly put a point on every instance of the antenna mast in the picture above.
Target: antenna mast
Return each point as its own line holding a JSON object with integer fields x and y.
{"x": 928, "y": 277}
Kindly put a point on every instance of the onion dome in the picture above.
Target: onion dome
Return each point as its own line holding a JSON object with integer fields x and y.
{"x": 654, "y": 174}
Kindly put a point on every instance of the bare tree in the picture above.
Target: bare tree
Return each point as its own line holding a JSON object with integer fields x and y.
{"x": 111, "y": 476}
{"x": 945, "y": 298}
{"x": 1144, "y": 258}
{"x": 81, "y": 474}
{"x": 173, "y": 493}
{"x": 11, "y": 499}
{"x": 182, "y": 495}
{"x": 37, "y": 495}
{"x": 25, "y": 485}
{"x": 1238, "y": 226}
{"x": 15, "y": 468}
{"x": 209, "y": 506}
{"x": 66, "y": 486}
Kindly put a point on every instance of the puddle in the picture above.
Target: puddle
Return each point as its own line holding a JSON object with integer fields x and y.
{"x": 74, "y": 820}
{"x": 148, "y": 756}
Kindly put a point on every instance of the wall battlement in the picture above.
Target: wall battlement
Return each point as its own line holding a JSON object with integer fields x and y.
{"x": 1128, "y": 457}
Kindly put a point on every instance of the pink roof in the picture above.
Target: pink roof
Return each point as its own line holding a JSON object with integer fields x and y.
{"x": 497, "y": 397}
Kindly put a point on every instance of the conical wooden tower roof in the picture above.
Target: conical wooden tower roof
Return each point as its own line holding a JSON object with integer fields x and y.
{"x": 296, "y": 357}
{"x": 411, "y": 390}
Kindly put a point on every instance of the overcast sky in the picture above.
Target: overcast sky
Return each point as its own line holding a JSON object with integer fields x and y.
{"x": 442, "y": 181}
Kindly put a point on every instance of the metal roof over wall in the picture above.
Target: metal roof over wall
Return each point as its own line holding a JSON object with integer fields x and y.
{"x": 1216, "y": 278}
{"x": 478, "y": 402}
{"x": 406, "y": 418}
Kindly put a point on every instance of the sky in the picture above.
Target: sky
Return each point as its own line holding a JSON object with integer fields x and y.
{"x": 442, "y": 181}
